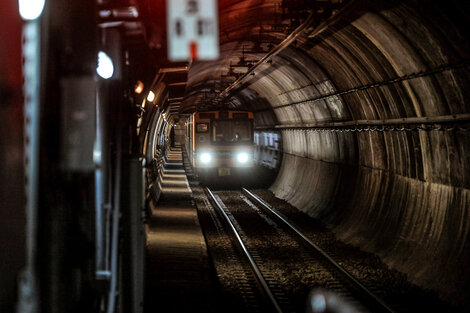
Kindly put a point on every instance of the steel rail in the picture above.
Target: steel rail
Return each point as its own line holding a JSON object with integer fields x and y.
{"x": 254, "y": 266}
{"x": 364, "y": 291}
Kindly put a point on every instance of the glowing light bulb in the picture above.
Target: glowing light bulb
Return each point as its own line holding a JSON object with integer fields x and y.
{"x": 105, "y": 65}
{"x": 151, "y": 96}
{"x": 139, "y": 87}
{"x": 31, "y": 9}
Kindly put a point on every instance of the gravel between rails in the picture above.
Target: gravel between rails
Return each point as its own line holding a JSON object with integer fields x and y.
{"x": 392, "y": 286}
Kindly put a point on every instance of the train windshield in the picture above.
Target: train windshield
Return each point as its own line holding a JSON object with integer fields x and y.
{"x": 231, "y": 131}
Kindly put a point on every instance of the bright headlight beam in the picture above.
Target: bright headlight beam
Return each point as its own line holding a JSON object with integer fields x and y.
{"x": 205, "y": 157}
{"x": 105, "y": 65}
{"x": 31, "y": 9}
{"x": 242, "y": 157}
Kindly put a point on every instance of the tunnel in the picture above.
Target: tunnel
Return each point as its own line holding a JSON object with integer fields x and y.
{"x": 360, "y": 121}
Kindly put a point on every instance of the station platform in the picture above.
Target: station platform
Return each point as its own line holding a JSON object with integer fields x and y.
{"x": 178, "y": 277}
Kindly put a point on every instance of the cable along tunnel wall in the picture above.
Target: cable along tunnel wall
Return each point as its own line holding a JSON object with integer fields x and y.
{"x": 402, "y": 193}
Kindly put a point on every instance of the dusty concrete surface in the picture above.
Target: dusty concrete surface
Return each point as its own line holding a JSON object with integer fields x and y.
{"x": 414, "y": 226}
{"x": 178, "y": 277}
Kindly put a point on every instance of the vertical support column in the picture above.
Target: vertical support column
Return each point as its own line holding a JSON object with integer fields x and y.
{"x": 134, "y": 238}
{"x": 28, "y": 293}
{"x": 60, "y": 62}
{"x": 102, "y": 170}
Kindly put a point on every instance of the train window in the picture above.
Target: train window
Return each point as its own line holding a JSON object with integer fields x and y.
{"x": 202, "y": 127}
{"x": 206, "y": 116}
{"x": 240, "y": 115}
{"x": 231, "y": 131}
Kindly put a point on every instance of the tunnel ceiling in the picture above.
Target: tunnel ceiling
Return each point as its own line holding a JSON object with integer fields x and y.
{"x": 358, "y": 53}
{"x": 345, "y": 45}
{"x": 248, "y": 31}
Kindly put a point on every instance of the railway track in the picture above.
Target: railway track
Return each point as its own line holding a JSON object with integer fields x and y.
{"x": 274, "y": 248}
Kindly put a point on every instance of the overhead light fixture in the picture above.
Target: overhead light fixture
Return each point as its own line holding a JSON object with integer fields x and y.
{"x": 139, "y": 87}
{"x": 31, "y": 9}
{"x": 105, "y": 66}
{"x": 151, "y": 96}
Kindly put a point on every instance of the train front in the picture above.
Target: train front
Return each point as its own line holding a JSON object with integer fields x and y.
{"x": 223, "y": 146}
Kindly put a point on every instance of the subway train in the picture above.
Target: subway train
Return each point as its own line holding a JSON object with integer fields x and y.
{"x": 219, "y": 145}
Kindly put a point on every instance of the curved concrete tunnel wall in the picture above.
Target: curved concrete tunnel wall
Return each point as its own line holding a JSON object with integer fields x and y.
{"x": 403, "y": 195}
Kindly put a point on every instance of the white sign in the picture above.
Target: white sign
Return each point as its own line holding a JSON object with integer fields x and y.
{"x": 193, "y": 31}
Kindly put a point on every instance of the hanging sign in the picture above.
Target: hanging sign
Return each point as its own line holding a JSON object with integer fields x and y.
{"x": 192, "y": 30}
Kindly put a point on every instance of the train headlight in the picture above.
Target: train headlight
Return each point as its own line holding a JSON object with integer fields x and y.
{"x": 242, "y": 157}
{"x": 205, "y": 158}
